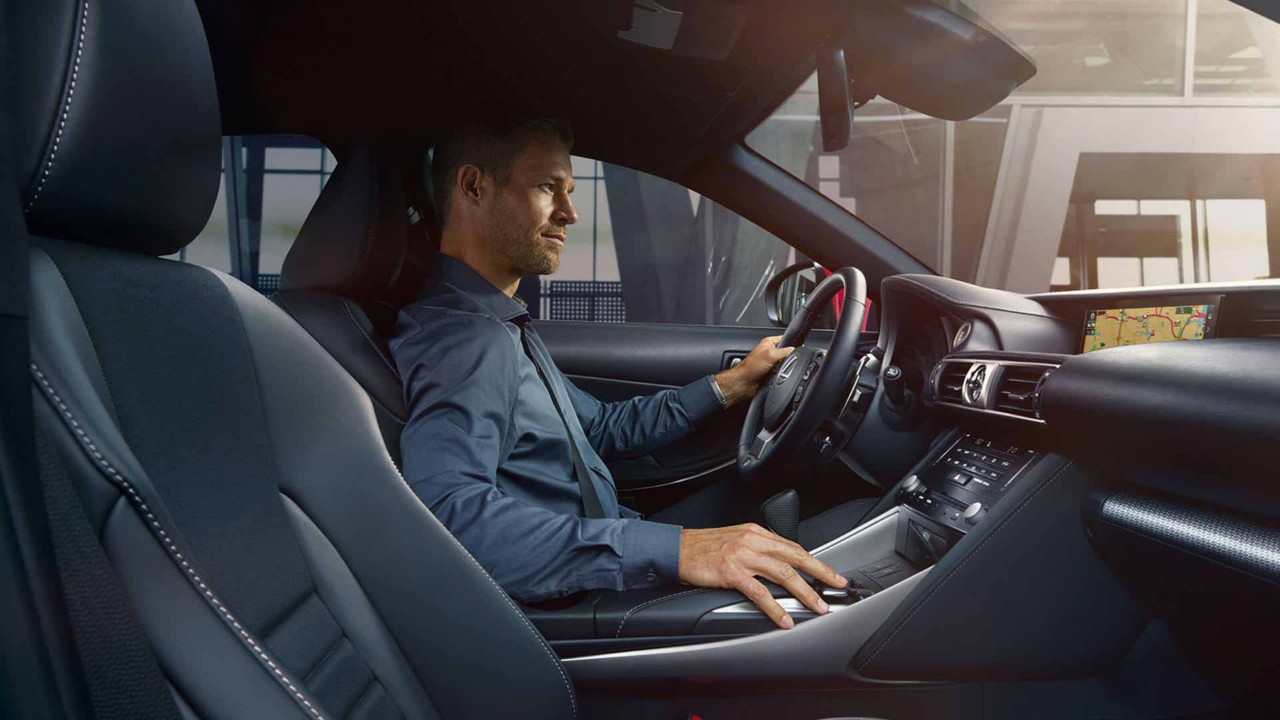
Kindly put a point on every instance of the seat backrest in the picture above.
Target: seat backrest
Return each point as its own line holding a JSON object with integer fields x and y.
{"x": 234, "y": 472}
{"x": 355, "y": 261}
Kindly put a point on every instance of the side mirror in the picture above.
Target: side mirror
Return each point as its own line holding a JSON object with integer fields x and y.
{"x": 787, "y": 291}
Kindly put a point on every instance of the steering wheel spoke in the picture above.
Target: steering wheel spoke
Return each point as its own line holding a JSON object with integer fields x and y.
{"x": 811, "y": 385}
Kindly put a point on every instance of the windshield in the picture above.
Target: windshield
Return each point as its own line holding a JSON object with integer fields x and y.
{"x": 1145, "y": 151}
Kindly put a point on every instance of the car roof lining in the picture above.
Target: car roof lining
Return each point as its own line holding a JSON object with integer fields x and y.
{"x": 344, "y": 73}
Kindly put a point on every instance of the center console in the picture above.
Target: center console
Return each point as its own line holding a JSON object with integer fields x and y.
{"x": 949, "y": 496}
{"x": 946, "y": 500}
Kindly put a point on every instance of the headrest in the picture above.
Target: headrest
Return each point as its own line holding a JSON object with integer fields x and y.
{"x": 353, "y": 242}
{"x": 117, "y": 124}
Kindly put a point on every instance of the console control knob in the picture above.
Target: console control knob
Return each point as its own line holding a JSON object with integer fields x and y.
{"x": 973, "y": 513}
{"x": 912, "y": 484}
{"x": 895, "y": 387}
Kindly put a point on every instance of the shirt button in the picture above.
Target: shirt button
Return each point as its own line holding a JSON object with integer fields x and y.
{"x": 651, "y": 576}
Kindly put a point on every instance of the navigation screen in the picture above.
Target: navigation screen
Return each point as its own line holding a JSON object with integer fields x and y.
{"x": 1137, "y": 326}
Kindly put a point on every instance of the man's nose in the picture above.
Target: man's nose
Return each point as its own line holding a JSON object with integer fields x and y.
{"x": 564, "y": 213}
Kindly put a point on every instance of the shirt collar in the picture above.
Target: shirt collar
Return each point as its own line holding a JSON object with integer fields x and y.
{"x": 451, "y": 271}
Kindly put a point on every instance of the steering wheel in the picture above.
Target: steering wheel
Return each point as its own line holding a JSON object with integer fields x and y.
{"x": 810, "y": 385}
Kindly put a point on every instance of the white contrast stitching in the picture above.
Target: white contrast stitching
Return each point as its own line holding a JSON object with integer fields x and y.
{"x": 970, "y": 556}
{"x": 168, "y": 544}
{"x": 66, "y": 108}
{"x": 654, "y": 601}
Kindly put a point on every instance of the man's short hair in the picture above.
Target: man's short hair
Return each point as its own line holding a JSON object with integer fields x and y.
{"x": 491, "y": 146}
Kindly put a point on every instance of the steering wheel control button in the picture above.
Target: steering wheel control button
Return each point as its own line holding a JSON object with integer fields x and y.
{"x": 808, "y": 371}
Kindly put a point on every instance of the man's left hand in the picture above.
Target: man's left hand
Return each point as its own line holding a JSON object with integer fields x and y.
{"x": 742, "y": 381}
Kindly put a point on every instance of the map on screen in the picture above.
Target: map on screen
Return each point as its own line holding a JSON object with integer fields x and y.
{"x": 1137, "y": 326}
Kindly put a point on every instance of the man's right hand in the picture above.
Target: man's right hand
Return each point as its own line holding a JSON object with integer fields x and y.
{"x": 732, "y": 557}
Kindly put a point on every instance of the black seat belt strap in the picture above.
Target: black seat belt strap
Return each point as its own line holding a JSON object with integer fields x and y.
{"x": 121, "y": 673}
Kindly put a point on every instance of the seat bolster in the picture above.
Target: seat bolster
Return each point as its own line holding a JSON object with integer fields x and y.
{"x": 344, "y": 329}
{"x": 64, "y": 354}
{"x": 456, "y": 627}
{"x": 206, "y": 663}
{"x": 350, "y": 606}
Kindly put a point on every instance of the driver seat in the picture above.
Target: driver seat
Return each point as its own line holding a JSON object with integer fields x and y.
{"x": 355, "y": 262}
{"x": 230, "y": 471}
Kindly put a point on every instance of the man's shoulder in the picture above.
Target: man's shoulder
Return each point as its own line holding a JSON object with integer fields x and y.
{"x": 448, "y": 320}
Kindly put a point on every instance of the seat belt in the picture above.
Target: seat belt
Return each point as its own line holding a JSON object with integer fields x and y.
{"x": 121, "y": 673}
{"x": 591, "y": 506}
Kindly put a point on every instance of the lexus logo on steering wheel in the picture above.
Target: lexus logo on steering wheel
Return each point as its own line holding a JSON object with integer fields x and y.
{"x": 788, "y": 366}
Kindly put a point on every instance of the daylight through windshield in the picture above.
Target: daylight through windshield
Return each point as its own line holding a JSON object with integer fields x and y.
{"x": 1145, "y": 151}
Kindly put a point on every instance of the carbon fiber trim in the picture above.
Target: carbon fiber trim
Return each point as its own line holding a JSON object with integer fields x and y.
{"x": 1242, "y": 544}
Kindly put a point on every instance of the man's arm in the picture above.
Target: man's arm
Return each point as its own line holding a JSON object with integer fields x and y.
{"x": 641, "y": 424}
{"x": 460, "y": 378}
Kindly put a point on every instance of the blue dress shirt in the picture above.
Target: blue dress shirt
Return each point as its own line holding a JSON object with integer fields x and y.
{"x": 486, "y": 451}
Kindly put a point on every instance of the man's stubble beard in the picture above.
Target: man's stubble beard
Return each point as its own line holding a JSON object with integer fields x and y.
{"x": 522, "y": 247}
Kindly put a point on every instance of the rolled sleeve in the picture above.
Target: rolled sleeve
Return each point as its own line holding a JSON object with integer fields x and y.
{"x": 651, "y": 554}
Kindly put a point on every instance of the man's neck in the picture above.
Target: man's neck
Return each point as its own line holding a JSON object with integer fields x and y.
{"x": 476, "y": 256}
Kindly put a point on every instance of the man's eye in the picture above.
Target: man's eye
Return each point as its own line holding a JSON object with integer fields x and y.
{"x": 548, "y": 187}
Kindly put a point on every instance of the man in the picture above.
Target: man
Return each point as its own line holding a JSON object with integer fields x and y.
{"x": 504, "y": 449}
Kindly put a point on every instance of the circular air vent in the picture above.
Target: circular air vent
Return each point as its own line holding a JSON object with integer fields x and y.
{"x": 974, "y": 384}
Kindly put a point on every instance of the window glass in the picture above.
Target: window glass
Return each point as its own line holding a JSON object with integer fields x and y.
{"x": 280, "y": 178}
{"x": 1237, "y": 51}
{"x": 1104, "y": 171}
{"x": 645, "y": 249}
{"x": 1096, "y": 47}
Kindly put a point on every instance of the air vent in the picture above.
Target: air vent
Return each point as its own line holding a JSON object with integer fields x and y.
{"x": 1019, "y": 390}
{"x": 951, "y": 382}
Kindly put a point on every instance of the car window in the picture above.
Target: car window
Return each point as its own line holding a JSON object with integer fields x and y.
{"x": 278, "y": 180}
{"x": 648, "y": 250}
{"x": 1143, "y": 152}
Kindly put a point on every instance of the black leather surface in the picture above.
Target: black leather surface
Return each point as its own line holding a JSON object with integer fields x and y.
{"x": 457, "y": 629}
{"x": 117, "y": 123}
{"x": 1015, "y": 322}
{"x": 353, "y": 241}
{"x": 1205, "y": 409}
{"x": 185, "y": 404}
{"x": 344, "y": 328}
{"x": 1021, "y": 596}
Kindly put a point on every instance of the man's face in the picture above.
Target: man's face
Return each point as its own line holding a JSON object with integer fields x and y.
{"x": 527, "y": 221}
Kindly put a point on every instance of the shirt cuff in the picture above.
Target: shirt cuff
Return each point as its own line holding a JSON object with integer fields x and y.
{"x": 651, "y": 554}
{"x": 699, "y": 400}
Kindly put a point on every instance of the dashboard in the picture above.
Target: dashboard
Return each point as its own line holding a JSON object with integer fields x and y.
{"x": 1176, "y": 386}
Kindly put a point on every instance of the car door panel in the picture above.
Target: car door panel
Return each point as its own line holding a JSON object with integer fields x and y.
{"x": 617, "y": 361}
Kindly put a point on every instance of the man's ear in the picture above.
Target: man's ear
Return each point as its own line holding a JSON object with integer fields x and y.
{"x": 473, "y": 184}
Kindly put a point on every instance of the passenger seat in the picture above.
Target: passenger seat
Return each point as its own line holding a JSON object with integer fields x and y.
{"x": 233, "y": 473}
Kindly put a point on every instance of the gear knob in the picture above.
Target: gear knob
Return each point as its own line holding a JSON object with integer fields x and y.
{"x": 782, "y": 514}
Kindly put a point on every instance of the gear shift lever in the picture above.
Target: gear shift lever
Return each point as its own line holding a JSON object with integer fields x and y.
{"x": 782, "y": 514}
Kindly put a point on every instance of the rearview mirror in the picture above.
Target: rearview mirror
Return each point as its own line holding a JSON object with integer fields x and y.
{"x": 937, "y": 57}
{"x": 835, "y": 108}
